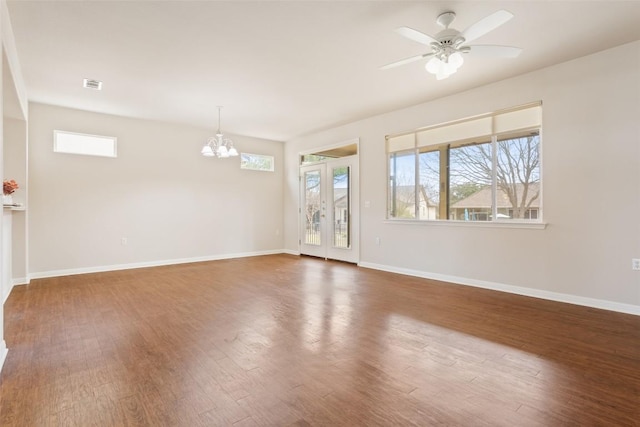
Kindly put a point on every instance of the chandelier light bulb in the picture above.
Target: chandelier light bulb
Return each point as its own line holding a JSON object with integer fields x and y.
{"x": 207, "y": 151}
{"x": 222, "y": 151}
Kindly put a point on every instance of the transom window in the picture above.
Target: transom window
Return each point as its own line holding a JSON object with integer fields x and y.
{"x": 485, "y": 168}
{"x": 257, "y": 162}
{"x": 80, "y": 143}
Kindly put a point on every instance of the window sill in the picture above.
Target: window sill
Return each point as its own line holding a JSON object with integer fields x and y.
{"x": 472, "y": 224}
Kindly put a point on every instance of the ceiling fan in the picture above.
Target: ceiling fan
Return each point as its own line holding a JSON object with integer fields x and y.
{"x": 449, "y": 45}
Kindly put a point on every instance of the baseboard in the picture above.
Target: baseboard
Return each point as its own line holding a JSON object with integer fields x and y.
{"x": 105, "y": 268}
{"x": 519, "y": 290}
{"x": 15, "y": 282}
{"x": 19, "y": 281}
{"x": 529, "y": 292}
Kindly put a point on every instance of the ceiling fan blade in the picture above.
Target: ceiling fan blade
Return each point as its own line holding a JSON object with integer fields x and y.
{"x": 494, "y": 51}
{"x": 405, "y": 61}
{"x": 486, "y": 24}
{"x": 416, "y": 35}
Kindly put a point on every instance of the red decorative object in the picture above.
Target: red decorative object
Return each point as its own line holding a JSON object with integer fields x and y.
{"x": 9, "y": 186}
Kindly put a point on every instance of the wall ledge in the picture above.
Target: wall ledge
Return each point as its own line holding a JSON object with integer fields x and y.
{"x": 518, "y": 290}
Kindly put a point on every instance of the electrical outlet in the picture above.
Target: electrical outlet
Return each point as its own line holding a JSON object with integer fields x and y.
{"x": 635, "y": 264}
{"x": 377, "y": 241}
{"x": 123, "y": 241}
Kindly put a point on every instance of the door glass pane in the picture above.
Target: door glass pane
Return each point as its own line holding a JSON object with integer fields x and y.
{"x": 312, "y": 207}
{"x": 341, "y": 207}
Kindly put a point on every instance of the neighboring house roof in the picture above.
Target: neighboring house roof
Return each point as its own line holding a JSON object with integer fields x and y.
{"x": 406, "y": 193}
{"x": 482, "y": 198}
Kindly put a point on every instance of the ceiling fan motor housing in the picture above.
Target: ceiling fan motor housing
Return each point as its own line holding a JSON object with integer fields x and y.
{"x": 449, "y": 37}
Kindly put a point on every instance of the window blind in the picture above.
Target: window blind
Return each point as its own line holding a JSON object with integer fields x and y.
{"x": 400, "y": 143}
{"x": 514, "y": 119}
{"x": 455, "y": 132}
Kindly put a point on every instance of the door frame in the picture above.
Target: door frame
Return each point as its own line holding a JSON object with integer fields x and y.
{"x": 352, "y": 254}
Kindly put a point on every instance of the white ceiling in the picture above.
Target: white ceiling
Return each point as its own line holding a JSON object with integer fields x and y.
{"x": 283, "y": 68}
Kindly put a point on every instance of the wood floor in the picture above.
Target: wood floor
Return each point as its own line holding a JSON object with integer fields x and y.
{"x": 282, "y": 340}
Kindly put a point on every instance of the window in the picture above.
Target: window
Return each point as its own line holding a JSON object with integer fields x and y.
{"x": 79, "y": 143}
{"x": 402, "y": 190}
{"x": 257, "y": 162}
{"x": 481, "y": 169}
{"x": 307, "y": 159}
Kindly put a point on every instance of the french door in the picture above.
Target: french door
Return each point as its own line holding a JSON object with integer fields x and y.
{"x": 329, "y": 209}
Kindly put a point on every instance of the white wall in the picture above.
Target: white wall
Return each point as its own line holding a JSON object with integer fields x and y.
{"x": 168, "y": 201}
{"x": 591, "y": 181}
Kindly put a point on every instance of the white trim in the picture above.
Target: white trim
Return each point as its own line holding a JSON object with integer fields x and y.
{"x": 518, "y": 290}
{"x": 104, "y": 268}
{"x": 290, "y": 252}
{"x": 453, "y": 223}
{"x": 3, "y": 353}
{"x": 6, "y": 296}
{"x": 350, "y": 141}
{"x": 16, "y": 281}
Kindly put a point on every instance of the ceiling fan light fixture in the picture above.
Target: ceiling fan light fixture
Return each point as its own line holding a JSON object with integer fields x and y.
{"x": 433, "y": 65}
{"x": 456, "y": 60}
{"x": 443, "y": 74}
{"x": 444, "y": 64}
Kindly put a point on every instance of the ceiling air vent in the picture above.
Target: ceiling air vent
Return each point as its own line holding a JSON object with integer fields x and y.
{"x": 92, "y": 84}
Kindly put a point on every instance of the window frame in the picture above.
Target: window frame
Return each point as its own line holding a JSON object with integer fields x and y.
{"x": 493, "y": 139}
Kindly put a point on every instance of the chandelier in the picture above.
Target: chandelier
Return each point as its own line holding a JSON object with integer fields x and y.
{"x": 218, "y": 146}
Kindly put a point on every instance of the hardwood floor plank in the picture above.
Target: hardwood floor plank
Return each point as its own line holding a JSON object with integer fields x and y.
{"x": 285, "y": 340}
